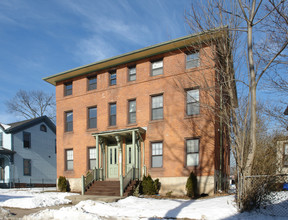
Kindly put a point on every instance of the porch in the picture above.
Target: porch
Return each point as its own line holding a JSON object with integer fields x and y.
{"x": 6, "y": 167}
{"x": 119, "y": 162}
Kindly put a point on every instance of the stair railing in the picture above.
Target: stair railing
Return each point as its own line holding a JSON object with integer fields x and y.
{"x": 132, "y": 174}
{"x": 93, "y": 175}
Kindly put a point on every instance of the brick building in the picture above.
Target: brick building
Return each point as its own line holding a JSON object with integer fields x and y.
{"x": 141, "y": 112}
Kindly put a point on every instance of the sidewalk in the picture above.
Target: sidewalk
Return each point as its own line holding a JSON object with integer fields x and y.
{"x": 78, "y": 198}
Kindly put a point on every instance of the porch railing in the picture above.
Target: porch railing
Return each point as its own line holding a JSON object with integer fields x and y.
{"x": 93, "y": 175}
{"x": 132, "y": 174}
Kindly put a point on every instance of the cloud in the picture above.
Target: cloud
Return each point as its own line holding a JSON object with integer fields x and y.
{"x": 94, "y": 49}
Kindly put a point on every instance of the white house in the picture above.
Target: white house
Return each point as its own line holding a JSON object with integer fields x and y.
{"x": 28, "y": 153}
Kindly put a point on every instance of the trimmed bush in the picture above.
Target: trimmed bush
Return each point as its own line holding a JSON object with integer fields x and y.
{"x": 150, "y": 187}
{"x": 191, "y": 185}
{"x": 62, "y": 184}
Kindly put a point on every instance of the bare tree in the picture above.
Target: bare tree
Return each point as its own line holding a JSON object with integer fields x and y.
{"x": 32, "y": 104}
{"x": 239, "y": 50}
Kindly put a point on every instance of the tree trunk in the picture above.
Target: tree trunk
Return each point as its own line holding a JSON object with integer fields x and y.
{"x": 252, "y": 147}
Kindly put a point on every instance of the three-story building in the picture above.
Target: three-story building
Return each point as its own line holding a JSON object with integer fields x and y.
{"x": 143, "y": 110}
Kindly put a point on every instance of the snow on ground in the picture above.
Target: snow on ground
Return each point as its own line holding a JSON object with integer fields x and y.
{"x": 140, "y": 208}
{"x": 32, "y": 198}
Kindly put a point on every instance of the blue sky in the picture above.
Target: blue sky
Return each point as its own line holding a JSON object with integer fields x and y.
{"x": 39, "y": 38}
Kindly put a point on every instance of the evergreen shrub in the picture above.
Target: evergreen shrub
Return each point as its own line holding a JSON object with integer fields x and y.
{"x": 62, "y": 184}
{"x": 191, "y": 185}
{"x": 150, "y": 187}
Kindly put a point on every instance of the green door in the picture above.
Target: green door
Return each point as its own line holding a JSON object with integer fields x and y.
{"x": 112, "y": 162}
{"x": 129, "y": 157}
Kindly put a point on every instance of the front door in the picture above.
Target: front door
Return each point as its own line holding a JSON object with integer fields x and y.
{"x": 129, "y": 157}
{"x": 112, "y": 162}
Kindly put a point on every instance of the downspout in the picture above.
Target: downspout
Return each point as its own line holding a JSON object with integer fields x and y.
{"x": 221, "y": 138}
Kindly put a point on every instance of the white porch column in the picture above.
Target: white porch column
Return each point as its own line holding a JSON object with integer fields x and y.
{"x": 97, "y": 151}
{"x": 134, "y": 148}
{"x": 104, "y": 159}
{"x": 118, "y": 139}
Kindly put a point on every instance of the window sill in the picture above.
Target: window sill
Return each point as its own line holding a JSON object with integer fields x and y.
{"x": 91, "y": 90}
{"x": 69, "y": 171}
{"x": 91, "y": 129}
{"x": 156, "y": 169}
{"x": 112, "y": 127}
{"x": 68, "y": 132}
{"x": 131, "y": 125}
{"x": 192, "y": 116}
{"x": 191, "y": 68}
{"x": 156, "y": 121}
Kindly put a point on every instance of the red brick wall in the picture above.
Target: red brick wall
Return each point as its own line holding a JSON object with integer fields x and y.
{"x": 172, "y": 130}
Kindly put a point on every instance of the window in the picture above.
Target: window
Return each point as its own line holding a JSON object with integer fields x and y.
{"x": 192, "y": 60}
{"x": 285, "y": 156}
{"x": 1, "y": 139}
{"x": 132, "y": 73}
{"x": 69, "y": 121}
{"x": 69, "y": 159}
{"x": 43, "y": 128}
{"x": 92, "y": 83}
{"x": 157, "y": 68}
{"x": 132, "y": 111}
{"x": 157, "y": 154}
{"x": 26, "y": 139}
{"x": 92, "y": 117}
{"x": 192, "y": 148}
{"x": 113, "y": 78}
{"x": 157, "y": 107}
{"x": 68, "y": 89}
{"x": 92, "y": 157}
{"x": 192, "y": 100}
{"x": 112, "y": 114}
{"x": 27, "y": 167}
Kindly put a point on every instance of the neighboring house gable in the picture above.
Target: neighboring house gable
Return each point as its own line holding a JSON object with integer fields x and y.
{"x": 33, "y": 143}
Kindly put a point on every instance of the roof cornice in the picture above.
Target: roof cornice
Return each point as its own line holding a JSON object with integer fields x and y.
{"x": 137, "y": 55}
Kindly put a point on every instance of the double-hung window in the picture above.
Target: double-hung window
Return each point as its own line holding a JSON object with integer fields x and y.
{"x": 192, "y": 152}
{"x": 26, "y": 139}
{"x": 192, "y": 102}
{"x": 27, "y": 167}
{"x": 112, "y": 78}
{"x": 69, "y": 159}
{"x": 92, "y": 83}
{"x": 112, "y": 114}
{"x": 157, "y": 107}
{"x": 68, "y": 89}
{"x": 132, "y": 111}
{"x": 69, "y": 121}
{"x": 192, "y": 60}
{"x": 285, "y": 155}
{"x": 92, "y": 157}
{"x": 157, "y": 154}
{"x": 92, "y": 117}
{"x": 132, "y": 73}
{"x": 157, "y": 68}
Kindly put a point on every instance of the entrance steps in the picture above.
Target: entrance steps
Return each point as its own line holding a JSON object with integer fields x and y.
{"x": 103, "y": 188}
{"x": 110, "y": 188}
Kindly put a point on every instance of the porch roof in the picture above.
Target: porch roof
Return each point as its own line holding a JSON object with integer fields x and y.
{"x": 121, "y": 132}
{"x": 6, "y": 151}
